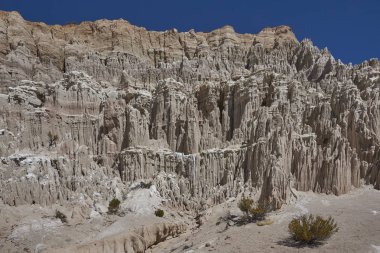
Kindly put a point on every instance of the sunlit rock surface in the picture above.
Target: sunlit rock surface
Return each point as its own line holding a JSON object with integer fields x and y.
{"x": 204, "y": 116}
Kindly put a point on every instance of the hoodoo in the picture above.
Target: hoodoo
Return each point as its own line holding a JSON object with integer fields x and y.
{"x": 187, "y": 120}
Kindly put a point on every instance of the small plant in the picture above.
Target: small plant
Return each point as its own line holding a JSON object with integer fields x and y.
{"x": 245, "y": 205}
{"x": 255, "y": 213}
{"x": 311, "y": 229}
{"x": 113, "y": 206}
{"x": 145, "y": 185}
{"x": 259, "y": 212}
{"x": 53, "y": 138}
{"x": 61, "y": 216}
{"x": 159, "y": 213}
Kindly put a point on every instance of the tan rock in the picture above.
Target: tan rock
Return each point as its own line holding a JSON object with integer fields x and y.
{"x": 204, "y": 115}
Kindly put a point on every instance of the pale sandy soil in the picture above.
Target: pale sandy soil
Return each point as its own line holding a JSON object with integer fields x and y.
{"x": 32, "y": 228}
{"x": 357, "y": 214}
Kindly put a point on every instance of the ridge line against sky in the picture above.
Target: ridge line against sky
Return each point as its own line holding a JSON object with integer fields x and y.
{"x": 349, "y": 29}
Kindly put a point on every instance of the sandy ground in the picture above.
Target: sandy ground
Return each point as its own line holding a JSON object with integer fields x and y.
{"x": 357, "y": 214}
{"x": 33, "y": 228}
{"x": 39, "y": 229}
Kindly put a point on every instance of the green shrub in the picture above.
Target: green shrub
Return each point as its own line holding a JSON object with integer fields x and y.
{"x": 310, "y": 229}
{"x": 159, "y": 213}
{"x": 245, "y": 205}
{"x": 61, "y": 216}
{"x": 259, "y": 212}
{"x": 113, "y": 206}
{"x": 145, "y": 185}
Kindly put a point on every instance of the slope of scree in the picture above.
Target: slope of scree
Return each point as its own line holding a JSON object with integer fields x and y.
{"x": 205, "y": 116}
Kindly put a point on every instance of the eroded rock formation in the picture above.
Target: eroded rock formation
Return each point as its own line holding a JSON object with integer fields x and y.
{"x": 203, "y": 115}
{"x": 135, "y": 241}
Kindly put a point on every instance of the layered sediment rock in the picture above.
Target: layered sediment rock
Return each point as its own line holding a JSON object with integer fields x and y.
{"x": 203, "y": 115}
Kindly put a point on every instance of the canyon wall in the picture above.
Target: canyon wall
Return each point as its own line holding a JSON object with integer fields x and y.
{"x": 88, "y": 109}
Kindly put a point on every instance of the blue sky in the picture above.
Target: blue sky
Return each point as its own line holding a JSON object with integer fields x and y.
{"x": 349, "y": 28}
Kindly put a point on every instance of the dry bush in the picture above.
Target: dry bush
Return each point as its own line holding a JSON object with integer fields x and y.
{"x": 113, "y": 206}
{"x": 145, "y": 185}
{"x": 245, "y": 205}
{"x": 309, "y": 229}
{"x": 159, "y": 213}
{"x": 259, "y": 212}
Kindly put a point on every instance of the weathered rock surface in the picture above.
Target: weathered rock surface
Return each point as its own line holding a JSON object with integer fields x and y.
{"x": 121, "y": 53}
{"x": 205, "y": 116}
{"x": 136, "y": 241}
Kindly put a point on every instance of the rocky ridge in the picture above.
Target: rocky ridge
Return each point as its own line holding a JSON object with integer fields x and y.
{"x": 204, "y": 116}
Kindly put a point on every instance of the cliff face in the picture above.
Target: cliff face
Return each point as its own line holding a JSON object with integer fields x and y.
{"x": 203, "y": 115}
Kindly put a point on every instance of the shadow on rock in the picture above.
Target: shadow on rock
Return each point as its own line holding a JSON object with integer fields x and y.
{"x": 234, "y": 220}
